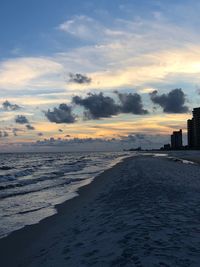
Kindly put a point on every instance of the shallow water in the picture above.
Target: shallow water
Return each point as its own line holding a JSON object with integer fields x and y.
{"x": 31, "y": 184}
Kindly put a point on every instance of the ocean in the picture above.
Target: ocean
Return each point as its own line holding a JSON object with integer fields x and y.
{"x": 31, "y": 184}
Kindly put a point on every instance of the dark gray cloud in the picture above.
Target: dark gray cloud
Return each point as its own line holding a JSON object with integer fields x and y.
{"x": 79, "y": 78}
{"x": 30, "y": 127}
{"x": 129, "y": 141}
{"x": 6, "y": 134}
{"x": 3, "y": 134}
{"x": 134, "y": 137}
{"x": 7, "y": 106}
{"x": 97, "y": 106}
{"x": 173, "y": 102}
{"x": 60, "y": 142}
{"x": 129, "y": 138}
{"x": 140, "y": 136}
{"x": 62, "y": 114}
{"x": 21, "y": 119}
{"x": 131, "y": 103}
{"x": 14, "y": 133}
{"x": 16, "y": 130}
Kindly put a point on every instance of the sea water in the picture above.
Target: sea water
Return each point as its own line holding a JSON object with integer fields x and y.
{"x": 31, "y": 184}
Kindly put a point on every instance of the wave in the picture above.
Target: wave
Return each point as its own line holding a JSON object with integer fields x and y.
{"x": 33, "y": 182}
{"x": 13, "y": 176}
{"x": 19, "y": 193}
{"x": 51, "y": 174}
{"x": 31, "y": 210}
{"x": 5, "y": 168}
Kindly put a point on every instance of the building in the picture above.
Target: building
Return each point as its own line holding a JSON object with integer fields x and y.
{"x": 176, "y": 140}
{"x": 166, "y": 147}
{"x": 196, "y": 120}
{"x": 193, "y": 127}
{"x": 190, "y": 135}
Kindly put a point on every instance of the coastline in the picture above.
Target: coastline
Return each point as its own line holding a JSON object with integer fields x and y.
{"x": 141, "y": 212}
{"x": 192, "y": 156}
{"x": 30, "y": 194}
{"x": 29, "y": 234}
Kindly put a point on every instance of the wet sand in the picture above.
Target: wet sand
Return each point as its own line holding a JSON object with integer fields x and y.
{"x": 142, "y": 212}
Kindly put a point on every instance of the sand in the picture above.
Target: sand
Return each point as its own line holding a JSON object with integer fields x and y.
{"x": 142, "y": 212}
{"x": 191, "y": 155}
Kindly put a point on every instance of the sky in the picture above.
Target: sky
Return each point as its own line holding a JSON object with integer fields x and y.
{"x": 97, "y": 74}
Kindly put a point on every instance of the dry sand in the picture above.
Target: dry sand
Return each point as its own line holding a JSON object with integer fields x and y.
{"x": 142, "y": 212}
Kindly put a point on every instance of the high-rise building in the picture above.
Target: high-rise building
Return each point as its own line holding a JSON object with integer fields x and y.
{"x": 190, "y": 135}
{"x": 196, "y": 121}
{"x": 176, "y": 140}
{"x": 193, "y": 127}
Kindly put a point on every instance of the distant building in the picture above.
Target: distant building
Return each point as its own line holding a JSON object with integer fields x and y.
{"x": 176, "y": 140}
{"x": 167, "y": 147}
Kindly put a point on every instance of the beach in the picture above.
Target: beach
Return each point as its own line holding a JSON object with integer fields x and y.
{"x": 142, "y": 212}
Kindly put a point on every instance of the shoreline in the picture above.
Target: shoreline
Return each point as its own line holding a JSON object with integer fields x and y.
{"x": 72, "y": 192}
{"x": 133, "y": 214}
{"x": 172, "y": 155}
{"x": 31, "y": 232}
{"x": 77, "y": 193}
{"x": 186, "y": 155}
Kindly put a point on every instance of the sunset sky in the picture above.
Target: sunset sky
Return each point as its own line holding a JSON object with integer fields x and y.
{"x": 125, "y": 71}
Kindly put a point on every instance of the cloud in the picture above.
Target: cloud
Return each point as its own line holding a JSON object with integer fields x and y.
{"x": 18, "y": 73}
{"x": 135, "y": 51}
{"x": 79, "y": 78}
{"x": 173, "y": 102}
{"x": 140, "y": 136}
{"x": 7, "y": 106}
{"x": 142, "y": 54}
{"x": 82, "y": 27}
{"x": 30, "y": 127}
{"x": 135, "y": 137}
{"x": 131, "y": 103}
{"x": 91, "y": 143}
{"x": 16, "y": 130}
{"x": 97, "y": 106}
{"x": 62, "y": 114}
{"x": 21, "y": 119}
{"x": 129, "y": 138}
{"x": 3, "y": 134}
